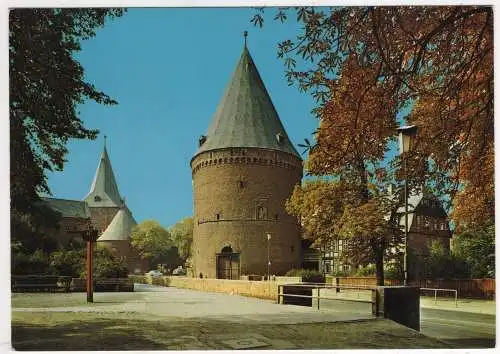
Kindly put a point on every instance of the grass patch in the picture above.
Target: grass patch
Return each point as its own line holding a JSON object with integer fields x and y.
{"x": 121, "y": 331}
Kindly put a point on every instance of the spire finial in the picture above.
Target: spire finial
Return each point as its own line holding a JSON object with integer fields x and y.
{"x": 105, "y": 136}
{"x": 245, "y": 35}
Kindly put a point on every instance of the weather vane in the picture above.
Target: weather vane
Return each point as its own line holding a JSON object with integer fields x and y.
{"x": 245, "y": 34}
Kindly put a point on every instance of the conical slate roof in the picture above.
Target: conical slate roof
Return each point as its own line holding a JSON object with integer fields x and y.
{"x": 120, "y": 228}
{"x": 246, "y": 116}
{"x": 104, "y": 190}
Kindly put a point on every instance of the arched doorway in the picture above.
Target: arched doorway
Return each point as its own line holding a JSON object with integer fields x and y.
{"x": 228, "y": 264}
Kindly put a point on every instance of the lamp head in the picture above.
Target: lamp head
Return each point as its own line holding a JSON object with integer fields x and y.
{"x": 406, "y": 137}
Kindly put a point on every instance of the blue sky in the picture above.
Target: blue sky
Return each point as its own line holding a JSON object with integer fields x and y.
{"x": 168, "y": 68}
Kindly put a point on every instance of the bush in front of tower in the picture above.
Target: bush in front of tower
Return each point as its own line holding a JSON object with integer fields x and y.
{"x": 106, "y": 265}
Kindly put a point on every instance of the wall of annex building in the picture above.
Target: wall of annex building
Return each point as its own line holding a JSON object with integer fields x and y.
{"x": 239, "y": 196}
{"x": 101, "y": 217}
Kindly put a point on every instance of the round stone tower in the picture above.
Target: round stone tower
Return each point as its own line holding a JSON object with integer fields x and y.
{"x": 243, "y": 172}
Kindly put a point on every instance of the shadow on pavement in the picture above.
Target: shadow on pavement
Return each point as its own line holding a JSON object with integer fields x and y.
{"x": 93, "y": 335}
{"x": 471, "y": 343}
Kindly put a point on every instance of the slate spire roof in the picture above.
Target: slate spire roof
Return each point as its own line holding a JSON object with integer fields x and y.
{"x": 245, "y": 116}
{"x": 104, "y": 190}
{"x": 120, "y": 228}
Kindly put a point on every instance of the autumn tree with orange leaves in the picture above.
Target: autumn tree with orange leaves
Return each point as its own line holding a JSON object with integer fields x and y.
{"x": 364, "y": 65}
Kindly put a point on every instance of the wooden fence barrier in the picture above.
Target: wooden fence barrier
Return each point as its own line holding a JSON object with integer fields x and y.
{"x": 466, "y": 288}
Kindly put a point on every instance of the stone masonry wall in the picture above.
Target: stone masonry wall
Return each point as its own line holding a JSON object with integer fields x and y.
{"x": 258, "y": 289}
{"x": 229, "y": 188}
{"x": 102, "y": 216}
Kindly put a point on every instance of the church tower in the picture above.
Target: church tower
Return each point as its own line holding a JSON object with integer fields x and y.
{"x": 111, "y": 217}
{"x": 103, "y": 199}
{"x": 243, "y": 172}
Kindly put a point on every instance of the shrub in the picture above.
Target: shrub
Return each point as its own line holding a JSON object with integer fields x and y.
{"x": 68, "y": 263}
{"x": 308, "y": 275}
{"x": 392, "y": 271}
{"x": 106, "y": 265}
{"x": 26, "y": 264}
{"x": 365, "y": 271}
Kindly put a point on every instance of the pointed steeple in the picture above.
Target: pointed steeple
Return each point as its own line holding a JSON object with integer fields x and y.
{"x": 120, "y": 228}
{"x": 246, "y": 116}
{"x": 104, "y": 190}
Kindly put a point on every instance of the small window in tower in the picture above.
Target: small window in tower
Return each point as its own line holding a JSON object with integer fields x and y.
{"x": 279, "y": 138}
{"x": 211, "y": 155}
{"x": 276, "y": 216}
{"x": 202, "y": 140}
{"x": 261, "y": 212}
{"x": 97, "y": 198}
{"x": 241, "y": 183}
{"x": 218, "y": 216}
{"x": 292, "y": 248}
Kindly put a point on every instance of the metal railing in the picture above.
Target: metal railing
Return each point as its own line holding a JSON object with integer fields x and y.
{"x": 40, "y": 283}
{"x": 445, "y": 290}
{"x": 318, "y": 286}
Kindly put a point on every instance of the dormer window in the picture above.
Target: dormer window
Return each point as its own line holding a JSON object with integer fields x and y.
{"x": 202, "y": 140}
{"x": 280, "y": 138}
{"x": 97, "y": 198}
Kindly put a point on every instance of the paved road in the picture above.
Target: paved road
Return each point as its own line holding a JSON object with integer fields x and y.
{"x": 170, "y": 302}
{"x": 463, "y": 329}
{"x": 457, "y": 327}
{"x": 195, "y": 304}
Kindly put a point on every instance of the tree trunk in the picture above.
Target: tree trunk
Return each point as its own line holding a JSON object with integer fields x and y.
{"x": 378, "y": 250}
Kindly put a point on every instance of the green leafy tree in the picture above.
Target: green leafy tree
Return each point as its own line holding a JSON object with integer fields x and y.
{"x": 182, "y": 237}
{"x": 341, "y": 209}
{"x": 436, "y": 261}
{"x": 440, "y": 264}
{"x": 151, "y": 240}
{"x": 477, "y": 248}
{"x": 46, "y": 86}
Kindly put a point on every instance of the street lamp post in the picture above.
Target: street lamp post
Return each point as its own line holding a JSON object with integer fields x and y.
{"x": 268, "y": 257}
{"x": 406, "y": 137}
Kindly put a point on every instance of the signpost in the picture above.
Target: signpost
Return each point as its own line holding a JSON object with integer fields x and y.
{"x": 90, "y": 236}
